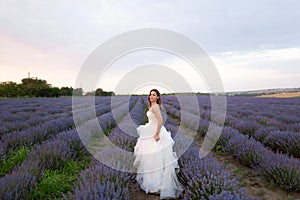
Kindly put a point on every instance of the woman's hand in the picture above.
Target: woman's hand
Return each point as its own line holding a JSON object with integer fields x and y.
{"x": 156, "y": 137}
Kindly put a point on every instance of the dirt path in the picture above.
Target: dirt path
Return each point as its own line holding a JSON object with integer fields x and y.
{"x": 141, "y": 195}
{"x": 138, "y": 194}
{"x": 254, "y": 184}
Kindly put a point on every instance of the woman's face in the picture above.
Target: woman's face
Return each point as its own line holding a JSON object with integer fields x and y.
{"x": 153, "y": 96}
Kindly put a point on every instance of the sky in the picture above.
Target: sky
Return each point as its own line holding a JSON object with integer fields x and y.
{"x": 253, "y": 44}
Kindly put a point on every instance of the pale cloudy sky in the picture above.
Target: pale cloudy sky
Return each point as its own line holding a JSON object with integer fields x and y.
{"x": 253, "y": 44}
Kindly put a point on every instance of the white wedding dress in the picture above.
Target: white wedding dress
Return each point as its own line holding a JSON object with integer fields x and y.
{"x": 156, "y": 163}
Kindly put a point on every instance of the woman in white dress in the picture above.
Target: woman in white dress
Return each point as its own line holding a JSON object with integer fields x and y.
{"x": 156, "y": 163}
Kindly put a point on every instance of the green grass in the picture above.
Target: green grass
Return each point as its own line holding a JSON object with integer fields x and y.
{"x": 260, "y": 193}
{"x": 56, "y": 182}
{"x": 108, "y": 130}
{"x": 237, "y": 171}
{"x": 220, "y": 150}
{"x": 13, "y": 159}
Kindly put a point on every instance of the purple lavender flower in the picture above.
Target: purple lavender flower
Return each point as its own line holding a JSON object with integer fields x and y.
{"x": 285, "y": 142}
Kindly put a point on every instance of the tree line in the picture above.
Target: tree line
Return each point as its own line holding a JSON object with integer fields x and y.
{"x": 34, "y": 87}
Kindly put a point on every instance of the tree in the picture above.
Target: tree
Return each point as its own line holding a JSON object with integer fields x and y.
{"x": 50, "y": 92}
{"x": 9, "y": 89}
{"x": 99, "y": 92}
{"x": 107, "y": 93}
{"x": 66, "y": 91}
{"x": 32, "y": 87}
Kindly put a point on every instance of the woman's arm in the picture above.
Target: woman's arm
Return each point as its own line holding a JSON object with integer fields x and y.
{"x": 157, "y": 113}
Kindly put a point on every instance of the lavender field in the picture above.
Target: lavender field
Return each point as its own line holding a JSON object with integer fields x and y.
{"x": 43, "y": 157}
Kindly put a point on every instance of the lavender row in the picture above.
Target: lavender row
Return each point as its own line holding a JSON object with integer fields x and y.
{"x": 89, "y": 130}
{"x": 35, "y": 104}
{"x": 22, "y": 109}
{"x": 125, "y": 135}
{"x": 86, "y": 113}
{"x": 102, "y": 182}
{"x": 35, "y": 135}
{"x": 264, "y": 129}
{"x": 278, "y": 168}
{"x": 283, "y": 110}
{"x": 16, "y": 126}
{"x": 52, "y": 154}
{"x": 47, "y": 130}
{"x": 285, "y": 172}
{"x": 38, "y": 135}
{"x": 282, "y": 114}
{"x": 18, "y": 110}
{"x": 26, "y": 120}
{"x": 207, "y": 179}
{"x": 32, "y": 113}
{"x": 112, "y": 118}
{"x": 204, "y": 178}
{"x": 29, "y": 177}
{"x": 136, "y": 113}
{"x": 283, "y": 141}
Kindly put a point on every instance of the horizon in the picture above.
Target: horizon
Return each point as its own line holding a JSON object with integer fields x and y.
{"x": 164, "y": 92}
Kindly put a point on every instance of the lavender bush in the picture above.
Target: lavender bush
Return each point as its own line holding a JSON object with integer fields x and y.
{"x": 101, "y": 182}
{"x": 205, "y": 177}
{"x": 281, "y": 170}
{"x": 51, "y": 154}
{"x": 285, "y": 142}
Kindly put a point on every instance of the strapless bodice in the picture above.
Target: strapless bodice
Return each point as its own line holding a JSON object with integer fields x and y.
{"x": 151, "y": 117}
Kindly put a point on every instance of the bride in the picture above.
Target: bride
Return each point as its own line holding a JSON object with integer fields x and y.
{"x": 155, "y": 160}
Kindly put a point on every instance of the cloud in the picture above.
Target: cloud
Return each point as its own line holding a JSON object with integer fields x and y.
{"x": 259, "y": 70}
{"x": 217, "y": 25}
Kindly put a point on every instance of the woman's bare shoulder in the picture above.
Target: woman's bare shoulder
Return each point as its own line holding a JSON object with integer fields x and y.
{"x": 155, "y": 107}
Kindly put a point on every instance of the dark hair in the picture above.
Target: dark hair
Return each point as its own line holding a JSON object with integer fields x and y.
{"x": 158, "y": 101}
